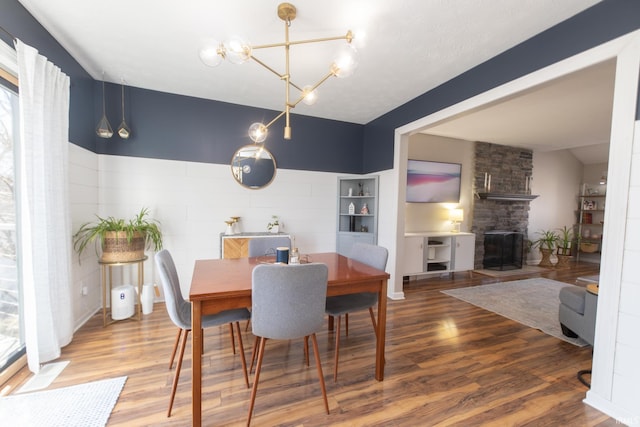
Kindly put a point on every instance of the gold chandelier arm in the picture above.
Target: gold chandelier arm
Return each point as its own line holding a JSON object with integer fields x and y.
{"x": 314, "y": 87}
{"x": 274, "y": 120}
{"x": 348, "y": 37}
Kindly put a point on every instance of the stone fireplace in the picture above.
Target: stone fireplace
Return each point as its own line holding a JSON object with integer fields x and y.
{"x": 509, "y": 168}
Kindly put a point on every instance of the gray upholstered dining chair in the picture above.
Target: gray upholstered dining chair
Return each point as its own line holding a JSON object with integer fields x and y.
{"x": 267, "y": 245}
{"x": 287, "y": 303}
{"x": 337, "y": 306}
{"x": 180, "y": 314}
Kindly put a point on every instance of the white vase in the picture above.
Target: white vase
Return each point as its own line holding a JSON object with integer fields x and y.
{"x": 275, "y": 229}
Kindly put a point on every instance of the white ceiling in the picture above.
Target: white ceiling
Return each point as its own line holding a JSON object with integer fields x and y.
{"x": 406, "y": 48}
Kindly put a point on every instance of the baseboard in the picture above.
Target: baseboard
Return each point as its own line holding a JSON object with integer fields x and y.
{"x": 606, "y": 407}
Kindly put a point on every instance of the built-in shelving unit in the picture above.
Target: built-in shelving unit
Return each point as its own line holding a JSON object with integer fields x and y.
{"x": 361, "y": 224}
{"x": 590, "y": 221}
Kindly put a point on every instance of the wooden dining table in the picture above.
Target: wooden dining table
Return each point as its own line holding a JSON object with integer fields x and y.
{"x": 223, "y": 284}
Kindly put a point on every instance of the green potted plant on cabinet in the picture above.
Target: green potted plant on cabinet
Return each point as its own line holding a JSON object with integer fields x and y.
{"x": 120, "y": 240}
{"x": 546, "y": 243}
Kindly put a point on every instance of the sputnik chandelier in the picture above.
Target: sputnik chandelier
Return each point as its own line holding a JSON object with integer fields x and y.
{"x": 238, "y": 51}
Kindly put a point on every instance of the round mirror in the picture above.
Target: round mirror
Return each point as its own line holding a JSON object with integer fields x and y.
{"x": 253, "y": 166}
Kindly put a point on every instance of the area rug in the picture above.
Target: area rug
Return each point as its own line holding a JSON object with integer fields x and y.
{"x": 526, "y": 269}
{"x": 84, "y": 405}
{"x": 532, "y": 302}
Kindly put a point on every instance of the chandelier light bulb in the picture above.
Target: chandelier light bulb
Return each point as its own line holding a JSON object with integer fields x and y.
{"x": 212, "y": 55}
{"x": 346, "y": 61}
{"x": 237, "y": 50}
{"x": 310, "y": 95}
{"x": 258, "y": 132}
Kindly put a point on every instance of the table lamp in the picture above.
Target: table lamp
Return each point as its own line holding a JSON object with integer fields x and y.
{"x": 456, "y": 216}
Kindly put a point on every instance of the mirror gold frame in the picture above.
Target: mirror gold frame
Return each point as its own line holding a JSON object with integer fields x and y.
{"x": 253, "y": 166}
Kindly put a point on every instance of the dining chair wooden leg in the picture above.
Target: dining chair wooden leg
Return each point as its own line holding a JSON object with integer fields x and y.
{"x": 373, "y": 320}
{"x": 306, "y": 350}
{"x": 175, "y": 348}
{"x": 176, "y": 377}
{"x": 256, "y": 378}
{"x": 254, "y": 353}
{"x": 337, "y": 351}
{"x": 316, "y": 354}
{"x": 246, "y": 327}
{"x": 244, "y": 361}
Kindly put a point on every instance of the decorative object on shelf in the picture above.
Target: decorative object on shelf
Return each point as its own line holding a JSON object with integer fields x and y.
{"x": 366, "y": 192}
{"x": 487, "y": 182}
{"x": 120, "y": 240}
{"x": 360, "y": 192}
{"x": 587, "y": 217}
{"x": 588, "y": 247}
{"x": 364, "y": 210}
{"x": 350, "y": 192}
{"x": 235, "y": 226}
{"x": 364, "y": 229}
{"x": 546, "y": 243}
{"x": 238, "y": 51}
{"x": 274, "y": 225}
{"x": 229, "y": 231}
{"x": 104, "y": 129}
{"x": 123, "y": 131}
{"x": 352, "y": 208}
{"x": 456, "y": 216}
{"x": 603, "y": 178}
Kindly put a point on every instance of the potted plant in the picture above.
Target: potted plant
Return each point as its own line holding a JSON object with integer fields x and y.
{"x": 119, "y": 239}
{"x": 565, "y": 239}
{"x": 546, "y": 243}
{"x": 274, "y": 225}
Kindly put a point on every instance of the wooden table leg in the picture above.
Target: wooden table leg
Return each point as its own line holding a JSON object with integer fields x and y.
{"x": 196, "y": 357}
{"x": 382, "y": 329}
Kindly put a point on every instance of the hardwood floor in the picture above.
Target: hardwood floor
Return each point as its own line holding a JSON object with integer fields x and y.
{"x": 447, "y": 363}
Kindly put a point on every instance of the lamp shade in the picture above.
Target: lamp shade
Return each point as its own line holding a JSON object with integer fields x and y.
{"x": 456, "y": 215}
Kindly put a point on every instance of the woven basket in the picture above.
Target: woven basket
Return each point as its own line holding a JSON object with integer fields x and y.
{"x": 116, "y": 248}
{"x": 588, "y": 247}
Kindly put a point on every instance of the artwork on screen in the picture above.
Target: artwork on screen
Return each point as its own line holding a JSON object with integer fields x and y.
{"x": 433, "y": 182}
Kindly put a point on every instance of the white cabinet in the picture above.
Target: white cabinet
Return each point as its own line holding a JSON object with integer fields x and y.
{"x": 413, "y": 255}
{"x": 438, "y": 252}
{"x": 357, "y": 212}
{"x": 464, "y": 252}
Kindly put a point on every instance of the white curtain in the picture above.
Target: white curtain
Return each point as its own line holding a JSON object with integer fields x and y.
{"x": 42, "y": 168}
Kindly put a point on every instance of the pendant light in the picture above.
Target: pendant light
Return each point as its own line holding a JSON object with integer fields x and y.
{"x": 123, "y": 130}
{"x": 104, "y": 128}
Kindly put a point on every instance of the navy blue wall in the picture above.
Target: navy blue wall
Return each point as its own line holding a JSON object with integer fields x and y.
{"x": 168, "y": 126}
{"x": 184, "y": 128}
{"x": 16, "y": 20}
{"x": 603, "y": 22}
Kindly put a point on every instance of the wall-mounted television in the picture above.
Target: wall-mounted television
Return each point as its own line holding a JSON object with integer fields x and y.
{"x": 433, "y": 182}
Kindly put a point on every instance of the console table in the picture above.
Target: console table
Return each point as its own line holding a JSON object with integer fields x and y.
{"x": 237, "y": 245}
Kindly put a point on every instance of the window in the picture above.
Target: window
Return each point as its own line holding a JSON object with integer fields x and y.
{"x": 12, "y": 343}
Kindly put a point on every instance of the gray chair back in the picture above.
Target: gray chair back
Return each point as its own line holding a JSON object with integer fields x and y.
{"x": 179, "y": 310}
{"x": 372, "y": 255}
{"x": 259, "y": 246}
{"x": 288, "y": 300}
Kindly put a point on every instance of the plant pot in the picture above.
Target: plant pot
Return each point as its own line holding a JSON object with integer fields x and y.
{"x": 563, "y": 261}
{"x": 275, "y": 229}
{"x": 116, "y": 247}
{"x": 546, "y": 258}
